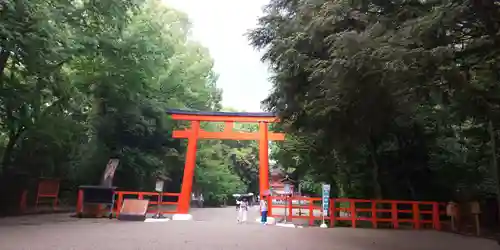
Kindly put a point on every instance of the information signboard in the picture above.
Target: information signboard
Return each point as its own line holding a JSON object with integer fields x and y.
{"x": 287, "y": 189}
{"x": 159, "y": 185}
{"x": 326, "y": 198}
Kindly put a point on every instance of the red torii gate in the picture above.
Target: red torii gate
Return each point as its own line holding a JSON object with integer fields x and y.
{"x": 229, "y": 118}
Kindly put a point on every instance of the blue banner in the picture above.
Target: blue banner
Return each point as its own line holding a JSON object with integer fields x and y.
{"x": 326, "y": 198}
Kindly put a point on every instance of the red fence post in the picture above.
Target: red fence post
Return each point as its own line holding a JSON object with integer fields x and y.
{"x": 119, "y": 202}
{"x": 353, "y": 214}
{"x": 177, "y": 205}
{"x": 394, "y": 214}
{"x": 311, "y": 212}
{"x": 269, "y": 206}
{"x": 290, "y": 209}
{"x": 79, "y": 202}
{"x": 374, "y": 214}
{"x": 436, "y": 223}
{"x": 332, "y": 212}
{"x": 160, "y": 204}
{"x": 416, "y": 215}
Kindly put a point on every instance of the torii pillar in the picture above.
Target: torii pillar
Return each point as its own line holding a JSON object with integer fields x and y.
{"x": 229, "y": 118}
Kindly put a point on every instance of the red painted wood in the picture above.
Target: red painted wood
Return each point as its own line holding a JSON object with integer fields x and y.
{"x": 187, "y": 179}
{"x": 263, "y": 158}
{"x": 432, "y": 219}
{"x": 182, "y": 134}
{"x": 211, "y": 118}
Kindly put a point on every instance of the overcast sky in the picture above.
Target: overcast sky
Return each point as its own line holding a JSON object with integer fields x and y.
{"x": 220, "y": 25}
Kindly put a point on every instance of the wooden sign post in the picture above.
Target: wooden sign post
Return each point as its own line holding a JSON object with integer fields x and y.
{"x": 160, "y": 182}
{"x": 287, "y": 191}
{"x": 451, "y": 211}
{"x": 475, "y": 210}
{"x": 107, "y": 183}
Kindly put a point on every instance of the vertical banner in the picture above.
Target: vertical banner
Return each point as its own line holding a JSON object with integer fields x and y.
{"x": 109, "y": 173}
{"x": 326, "y": 200}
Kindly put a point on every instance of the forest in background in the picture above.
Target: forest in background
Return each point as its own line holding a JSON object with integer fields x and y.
{"x": 82, "y": 81}
{"x": 384, "y": 99}
{"x": 387, "y": 99}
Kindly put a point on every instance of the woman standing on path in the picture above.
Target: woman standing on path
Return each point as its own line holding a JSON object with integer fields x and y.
{"x": 243, "y": 211}
{"x": 263, "y": 210}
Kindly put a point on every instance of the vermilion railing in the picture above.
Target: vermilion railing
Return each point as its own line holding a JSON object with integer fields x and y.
{"x": 417, "y": 213}
{"x": 121, "y": 195}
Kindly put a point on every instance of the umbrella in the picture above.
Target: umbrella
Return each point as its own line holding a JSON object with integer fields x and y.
{"x": 239, "y": 197}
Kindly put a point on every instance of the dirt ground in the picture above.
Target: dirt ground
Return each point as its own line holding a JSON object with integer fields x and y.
{"x": 213, "y": 228}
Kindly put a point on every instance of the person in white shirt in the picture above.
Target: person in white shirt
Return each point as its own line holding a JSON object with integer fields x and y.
{"x": 238, "y": 202}
{"x": 243, "y": 211}
{"x": 263, "y": 210}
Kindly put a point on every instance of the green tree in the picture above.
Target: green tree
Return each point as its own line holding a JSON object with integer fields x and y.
{"x": 393, "y": 99}
{"x": 83, "y": 81}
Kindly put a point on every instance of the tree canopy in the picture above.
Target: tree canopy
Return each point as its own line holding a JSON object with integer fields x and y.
{"x": 387, "y": 99}
{"x": 82, "y": 81}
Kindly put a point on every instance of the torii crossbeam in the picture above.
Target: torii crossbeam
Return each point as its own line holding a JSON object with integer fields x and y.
{"x": 194, "y": 132}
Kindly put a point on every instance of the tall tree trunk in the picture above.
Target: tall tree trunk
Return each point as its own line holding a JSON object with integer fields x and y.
{"x": 411, "y": 189}
{"x": 494, "y": 163}
{"x": 377, "y": 188}
{"x": 402, "y": 156}
{"x": 7, "y": 154}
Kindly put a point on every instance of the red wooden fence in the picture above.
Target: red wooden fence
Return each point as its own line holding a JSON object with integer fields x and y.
{"x": 121, "y": 195}
{"x": 417, "y": 213}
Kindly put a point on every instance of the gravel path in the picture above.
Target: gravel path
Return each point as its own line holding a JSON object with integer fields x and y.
{"x": 213, "y": 228}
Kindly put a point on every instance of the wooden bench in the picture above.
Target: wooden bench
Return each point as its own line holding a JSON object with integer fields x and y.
{"x": 47, "y": 189}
